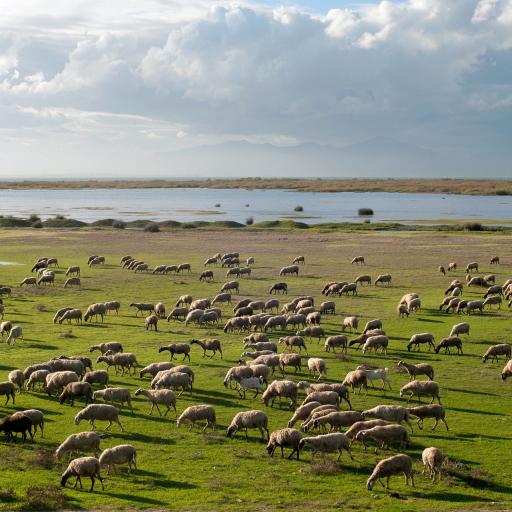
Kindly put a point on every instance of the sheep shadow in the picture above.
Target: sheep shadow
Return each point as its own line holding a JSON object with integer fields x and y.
{"x": 452, "y": 497}
{"x": 132, "y": 498}
{"x": 42, "y": 346}
{"x": 474, "y": 411}
{"x": 470, "y": 391}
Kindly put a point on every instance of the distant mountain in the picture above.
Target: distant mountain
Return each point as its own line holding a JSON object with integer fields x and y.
{"x": 375, "y": 157}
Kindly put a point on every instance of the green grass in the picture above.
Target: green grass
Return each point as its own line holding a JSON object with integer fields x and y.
{"x": 183, "y": 470}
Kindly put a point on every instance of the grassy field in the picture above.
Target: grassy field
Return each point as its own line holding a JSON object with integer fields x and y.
{"x": 183, "y": 470}
{"x": 435, "y": 186}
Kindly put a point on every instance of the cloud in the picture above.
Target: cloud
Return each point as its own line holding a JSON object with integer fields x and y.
{"x": 198, "y": 71}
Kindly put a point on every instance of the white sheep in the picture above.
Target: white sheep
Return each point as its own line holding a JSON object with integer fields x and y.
{"x": 120, "y": 454}
{"x": 396, "y": 465}
{"x": 377, "y": 374}
{"x": 394, "y": 413}
{"x": 281, "y": 389}
{"x": 81, "y": 442}
{"x": 327, "y": 443}
{"x": 83, "y": 466}
{"x": 384, "y": 436}
{"x": 197, "y": 413}
{"x": 114, "y": 395}
{"x": 17, "y": 378}
{"x": 421, "y": 388}
{"x": 249, "y": 419}
{"x": 290, "y": 437}
{"x": 317, "y": 365}
{"x": 432, "y": 459}
{"x": 429, "y": 411}
{"x": 255, "y": 383}
{"x": 102, "y": 412}
{"x": 158, "y": 397}
{"x": 35, "y": 416}
{"x": 15, "y": 333}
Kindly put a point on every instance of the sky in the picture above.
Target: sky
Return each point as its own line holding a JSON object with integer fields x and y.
{"x": 147, "y": 88}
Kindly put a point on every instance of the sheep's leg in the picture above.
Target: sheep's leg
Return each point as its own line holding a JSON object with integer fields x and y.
{"x": 445, "y": 423}
{"x": 109, "y": 425}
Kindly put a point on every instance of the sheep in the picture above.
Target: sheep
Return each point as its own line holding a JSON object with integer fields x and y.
{"x": 151, "y": 322}
{"x": 376, "y": 342}
{"x": 474, "y": 305}
{"x": 154, "y": 368}
{"x": 290, "y": 359}
{"x": 451, "y": 341}
{"x": 68, "y": 364}
{"x": 363, "y": 425}
{"x": 39, "y": 265}
{"x": 171, "y": 379}
{"x": 71, "y": 314}
{"x": 15, "y": 333}
{"x": 29, "y": 281}
{"x": 472, "y": 266}
{"x": 194, "y": 316}
{"x": 452, "y": 266}
{"x": 245, "y": 311}
{"x": 339, "y": 341}
{"x": 142, "y": 307}
{"x": 324, "y": 397}
{"x": 292, "y": 269}
{"x": 414, "y": 305}
{"x": 37, "y": 376}
{"x": 288, "y": 437}
{"x": 231, "y": 285}
{"x": 491, "y": 301}
{"x": 317, "y": 365}
{"x": 327, "y": 443}
{"x": 358, "y": 259}
{"x": 177, "y": 348}
{"x": 222, "y": 298}
{"x": 495, "y": 260}
{"x": 72, "y": 281}
{"x": 184, "y": 266}
{"x": 120, "y": 454}
{"x": 83, "y": 466}
{"x": 494, "y": 290}
{"x": 14, "y": 424}
{"x": 394, "y": 413}
{"x": 259, "y": 345}
{"x": 384, "y": 435}
{"x": 296, "y": 320}
{"x": 313, "y": 318}
{"x": 402, "y": 310}
{"x": 274, "y": 322}
{"x": 312, "y": 332}
{"x": 56, "y": 381}
{"x": 457, "y": 329}
{"x": 99, "y": 412}
{"x": 158, "y": 397}
{"x": 336, "y": 420}
{"x": 356, "y": 379}
{"x": 115, "y": 395}
{"x": 112, "y": 346}
{"x": 383, "y": 279}
{"x": 350, "y": 287}
{"x": 302, "y": 413}
{"x": 36, "y": 418}
{"x": 5, "y": 328}
{"x": 503, "y": 349}
{"x": 177, "y": 313}
{"x": 237, "y": 373}
{"x": 278, "y": 287}
{"x": 294, "y": 341}
{"x": 255, "y": 383}
{"x": 73, "y": 390}
{"x": 281, "y": 389}
{"x": 46, "y": 279}
{"x": 421, "y": 388}
{"x": 208, "y": 345}
{"x": 417, "y": 369}
{"x": 442, "y": 270}
{"x": 95, "y": 310}
{"x": 376, "y": 374}
{"x": 16, "y": 377}
{"x": 318, "y": 412}
{"x": 196, "y": 413}
{"x": 81, "y": 442}
{"x": 350, "y": 322}
{"x": 97, "y": 260}
{"x": 372, "y": 324}
{"x": 419, "y": 339}
{"x": 454, "y": 285}
{"x": 184, "y": 299}
{"x": 248, "y": 419}
{"x": 124, "y": 361}
{"x": 507, "y": 371}
{"x": 386, "y": 468}
{"x": 210, "y": 261}
{"x": 429, "y": 411}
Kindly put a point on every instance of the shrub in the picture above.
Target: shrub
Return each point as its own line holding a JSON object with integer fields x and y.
{"x": 42, "y": 458}
{"x": 217, "y": 205}
{"x": 119, "y": 224}
{"x": 37, "y": 224}
{"x": 298, "y": 209}
{"x": 249, "y": 221}
{"x": 103, "y": 223}
{"x": 34, "y": 218}
{"x": 502, "y": 193}
{"x": 188, "y": 225}
{"x": 472, "y": 226}
{"x": 152, "y": 227}
{"x": 225, "y": 224}
{"x": 365, "y": 211}
{"x": 169, "y": 224}
{"x": 14, "y": 222}
{"x": 61, "y": 222}
{"x": 367, "y": 221}
{"x": 44, "y": 497}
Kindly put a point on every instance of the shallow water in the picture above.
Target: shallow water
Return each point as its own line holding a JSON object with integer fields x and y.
{"x": 199, "y": 204}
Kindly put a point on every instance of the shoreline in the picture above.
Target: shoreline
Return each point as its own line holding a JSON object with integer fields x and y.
{"x": 498, "y": 187}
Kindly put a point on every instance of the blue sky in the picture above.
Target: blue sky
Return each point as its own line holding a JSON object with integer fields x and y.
{"x": 97, "y": 87}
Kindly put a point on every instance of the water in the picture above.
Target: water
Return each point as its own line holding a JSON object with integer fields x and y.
{"x": 199, "y": 204}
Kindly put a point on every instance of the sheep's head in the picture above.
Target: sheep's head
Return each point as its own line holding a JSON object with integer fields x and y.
{"x": 230, "y": 432}
{"x": 78, "y": 418}
{"x": 138, "y": 392}
{"x": 370, "y": 483}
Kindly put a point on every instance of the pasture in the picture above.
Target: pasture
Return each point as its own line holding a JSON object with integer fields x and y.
{"x": 182, "y": 470}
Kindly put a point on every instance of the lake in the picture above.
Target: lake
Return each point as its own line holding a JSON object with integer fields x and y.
{"x": 238, "y": 204}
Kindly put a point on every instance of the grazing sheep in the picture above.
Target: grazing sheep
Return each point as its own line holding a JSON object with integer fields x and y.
{"x": 74, "y": 390}
{"x": 327, "y": 443}
{"x": 372, "y": 324}
{"x": 71, "y": 314}
{"x": 95, "y": 310}
{"x": 68, "y": 364}
{"x": 356, "y": 379}
{"x": 393, "y": 413}
{"x": 385, "y": 435}
{"x": 231, "y": 285}
{"x": 158, "y": 397}
{"x": 212, "y": 345}
{"x": 81, "y": 442}
{"x": 72, "y": 281}
{"x": 312, "y": 332}
{"x": 292, "y": 269}
{"x": 99, "y": 412}
{"x": 29, "y": 281}
{"x": 457, "y": 329}
{"x": 417, "y": 369}
{"x": 495, "y": 300}
{"x": 172, "y": 379}
{"x": 451, "y": 341}
{"x": 249, "y": 419}
{"x": 36, "y": 418}
{"x": 441, "y": 269}
{"x": 494, "y": 290}
{"x": 421, "y": 388}
{"x": 197, "y": 413}
{"x": 271, "y": 304}
{"x": 16, "y": 377}
{"x": 178, "y": 313}
{"x": 290, "y": 359}
{"x": 339, "y": 341}
{"x": 335, "y": 419}
{"x": 120, "y": 454}
{"x": 281, "y": 389}
{"x": 5, "y": 328}
{"x": 414, "y": 305}
{"x": 402, "y": 310}
{"x": 195, "y": 315}
{"x": 317, "y": 365}
{"x": 294, "y": 341}
{"x": 429, "y": 411}
{"x": 254, "y": 383}
{"x": 151, "y": 322}
{"x": 236, "y": 374}
{"x": 363, "y": 425}
{"x": 383, "y": 279}
{"x": 375, "y": 343}
{"x": 83, "y": 466}
{"x": 15, "y": 424}
{"x": 503, "y": 349}
{"x": 350, "y": 322}
{"x": 358, "y": 259}
{"x": 142, "y": 307}
{"x": 15, "y": 333}
{"x": 289, "y": 437}
{"x": 432, "y": 459}
{"x": 259, "y": 341}
{"x": 115, "y": 395}
{"x": 184, "y": 299}
{"x": 47, "y": 278}
{"x": 396, "y": 465}
{"x": 56, "y": 381}
{"x": 419, "y": 339}
{"x": 507, "y": 371}
{"x": 324, "y": 397}
{"x": 278, "y": 288}
{"x": 113, "y": 347}
{"x": 376, "y": 374}
{"x": 275, "y": 322}
{"x": 177, "y": 348}
{"x": 452, "y": 266}
{"x": 121, "y": 361}
{"x": 184, "y": 266}
{"x": 154, "y": 368}
{"x": 37, "y": 376}
{"x": 303, "y": 412}
{"x": 472, "y": 266}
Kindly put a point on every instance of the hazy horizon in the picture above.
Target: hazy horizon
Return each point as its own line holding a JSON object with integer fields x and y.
{"x": 201, "y": 88}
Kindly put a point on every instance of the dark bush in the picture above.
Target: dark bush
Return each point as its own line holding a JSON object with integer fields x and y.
{"x": 502, "y": 193}
{"x": 298, "y": 209}
{"x": 472, "y": 226}
{"x": 152, "y": 227}
{"x": 34, "y": 218}
{"x": 37, "y": 224}
{"x": 44, "y": 497}
{"x": 249, "y": 221}
{"x": 169, "y": 224}
{"x": 61, "y": 222}
{"x": 103, "y": 223}
{"x": 138, "y": 223}
{"x": 217, "y": 205}
{"x": 188, "y": 225}
{"x": 225, "y": 224}
{"x": 60, "y": 217}
{"x": 365, "y": 211}
{"x": 14, "y": 222}
{"x": 119, "y": 224}
{"x": 367, "y": 221}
